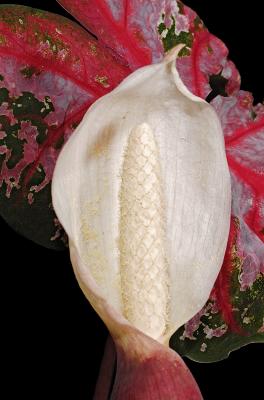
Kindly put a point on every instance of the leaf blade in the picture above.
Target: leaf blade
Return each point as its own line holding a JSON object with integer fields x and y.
{"x": 48, "y": 80}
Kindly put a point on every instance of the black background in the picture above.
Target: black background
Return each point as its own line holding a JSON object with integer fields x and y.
{"x": 52, "y": 338}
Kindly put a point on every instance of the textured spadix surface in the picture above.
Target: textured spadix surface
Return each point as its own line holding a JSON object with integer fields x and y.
{"x": 142, "y": 189}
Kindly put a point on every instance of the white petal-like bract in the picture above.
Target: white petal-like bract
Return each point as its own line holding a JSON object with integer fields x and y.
{"x": 142, "y": 188}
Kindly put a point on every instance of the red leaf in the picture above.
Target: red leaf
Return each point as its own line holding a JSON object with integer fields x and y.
{"x": 140, "y": 32}
{"x": 243, "y": 126}
{"x": 234, "y": 313}
{"x": 127, "y": 27}
{"x": 51, "y": 71}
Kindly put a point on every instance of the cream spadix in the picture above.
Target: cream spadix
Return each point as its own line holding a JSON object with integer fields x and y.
{"x": 142, "y": 189}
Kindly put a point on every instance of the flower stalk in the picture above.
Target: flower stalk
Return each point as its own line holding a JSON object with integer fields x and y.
{"x": 148, "y": 370}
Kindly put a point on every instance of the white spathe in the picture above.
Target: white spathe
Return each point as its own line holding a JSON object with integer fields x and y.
{"x": 148, "y": 236}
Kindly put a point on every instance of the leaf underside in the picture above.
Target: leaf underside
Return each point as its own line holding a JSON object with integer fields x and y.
{"x": 51, "y": 70}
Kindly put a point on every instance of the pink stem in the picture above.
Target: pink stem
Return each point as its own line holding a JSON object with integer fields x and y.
{"x": 104, "y": 381}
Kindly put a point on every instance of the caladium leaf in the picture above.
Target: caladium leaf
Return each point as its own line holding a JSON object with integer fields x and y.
{"x": 142, "y": 31}
{"x": 51, "y": 70}
{"x": 234, "y": 314}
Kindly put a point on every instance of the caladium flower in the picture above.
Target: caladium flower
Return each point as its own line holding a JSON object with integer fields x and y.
{"x": 234, "y": 314}
{"x": 144, "y": 234}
